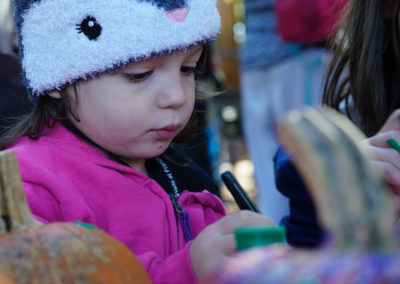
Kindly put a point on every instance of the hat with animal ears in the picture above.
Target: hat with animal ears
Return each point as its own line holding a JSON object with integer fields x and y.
{"x": 65, "y": 41}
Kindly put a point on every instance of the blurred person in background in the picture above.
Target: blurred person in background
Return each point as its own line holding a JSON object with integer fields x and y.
{"x": 275, "y": 77}
{"x": 362, "y": 84}
{"x": 13, "y": 97}
{"x": 6, "y": 26}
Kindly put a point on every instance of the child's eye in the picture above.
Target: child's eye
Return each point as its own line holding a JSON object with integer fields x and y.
{"x": 188, "y": 70}
{"x": 138, "y": 77}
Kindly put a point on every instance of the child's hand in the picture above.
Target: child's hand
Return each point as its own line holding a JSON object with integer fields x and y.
{"x": 217, "y": 242}
{"x": 386, "y": 158}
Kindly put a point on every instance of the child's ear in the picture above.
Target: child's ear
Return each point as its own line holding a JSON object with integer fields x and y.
{"x": 55, "y": 94}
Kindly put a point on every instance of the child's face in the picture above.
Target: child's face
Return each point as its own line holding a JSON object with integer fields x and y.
{"x": 136, "y": 112}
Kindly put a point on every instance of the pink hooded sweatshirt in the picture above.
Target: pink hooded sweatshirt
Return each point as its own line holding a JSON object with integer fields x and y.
{"x": 66, "y": 180}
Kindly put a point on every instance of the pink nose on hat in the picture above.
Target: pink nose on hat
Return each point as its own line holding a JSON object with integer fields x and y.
{"x": 177, "y": 15}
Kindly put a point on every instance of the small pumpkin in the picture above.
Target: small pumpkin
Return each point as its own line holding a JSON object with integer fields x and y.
{"x": 353, "y": 204}
{"x": 31, "y": 252}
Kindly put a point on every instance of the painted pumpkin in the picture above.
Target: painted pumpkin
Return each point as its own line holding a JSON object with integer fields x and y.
{"x": 59, "y": 252}
{"x": 353, "y": 204}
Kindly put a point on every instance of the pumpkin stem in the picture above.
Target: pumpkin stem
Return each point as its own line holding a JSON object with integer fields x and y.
{"x": 14, "y": 209}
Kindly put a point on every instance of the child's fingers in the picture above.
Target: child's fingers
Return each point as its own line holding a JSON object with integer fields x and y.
{"x": 387, "y": 155}
{"x": 228, "y": 244}
{"x": 391, "y": 174}
{"x": 392, "y": 123}
{"x": 380, "y": 139}
{"x": 243, "y": 218}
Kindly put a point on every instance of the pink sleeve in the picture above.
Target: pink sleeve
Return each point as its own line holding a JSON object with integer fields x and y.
{"x": 60, "y": 205}
{"x": 42, "y": 203}
{"x": 176, "y": 268}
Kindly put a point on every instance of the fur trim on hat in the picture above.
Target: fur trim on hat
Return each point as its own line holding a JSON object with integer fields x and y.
{"x": 64, "y": 41}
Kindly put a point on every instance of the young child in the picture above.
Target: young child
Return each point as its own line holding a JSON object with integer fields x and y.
{"x": 363, "y": 84}
{"x": 114, "y": 85}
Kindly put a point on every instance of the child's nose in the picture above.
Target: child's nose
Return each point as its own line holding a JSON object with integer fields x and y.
{"x": 173, "y": 95}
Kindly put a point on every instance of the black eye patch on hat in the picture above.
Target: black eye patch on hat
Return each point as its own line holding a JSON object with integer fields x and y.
{"x": 90, "y": 27}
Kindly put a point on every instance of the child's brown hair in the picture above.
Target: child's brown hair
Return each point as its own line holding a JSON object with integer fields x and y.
{"x": 366, "y": 64}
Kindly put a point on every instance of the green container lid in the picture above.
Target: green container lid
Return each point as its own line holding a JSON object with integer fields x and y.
{"x": 259, "y": 236}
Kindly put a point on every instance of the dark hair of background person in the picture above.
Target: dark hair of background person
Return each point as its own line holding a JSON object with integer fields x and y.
{"x": 366, "y": 65}
{"x": 13, "y": 95}
{"x": 197, "y": 146}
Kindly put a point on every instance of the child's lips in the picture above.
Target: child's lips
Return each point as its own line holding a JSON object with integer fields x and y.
{"x": 168, "y": 132}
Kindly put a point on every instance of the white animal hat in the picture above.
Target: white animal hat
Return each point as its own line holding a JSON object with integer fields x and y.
{"x": 65, "y": 41}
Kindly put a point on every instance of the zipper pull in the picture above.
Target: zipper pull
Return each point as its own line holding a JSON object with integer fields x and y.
{"x": 184, "y": 218}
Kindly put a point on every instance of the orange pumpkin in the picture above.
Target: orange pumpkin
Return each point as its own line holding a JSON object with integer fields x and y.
{"x": 59, "y": 252}
{"x": 353, "y": 204}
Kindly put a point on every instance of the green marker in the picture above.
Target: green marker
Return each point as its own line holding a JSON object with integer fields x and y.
{"x": 393, "y": 144}
{"x": 259, "y": 236}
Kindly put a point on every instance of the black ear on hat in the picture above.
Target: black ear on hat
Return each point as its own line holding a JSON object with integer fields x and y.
{"x": 168, "y": 5}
